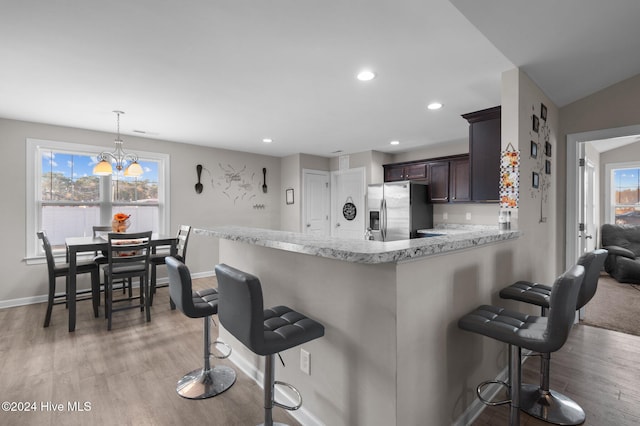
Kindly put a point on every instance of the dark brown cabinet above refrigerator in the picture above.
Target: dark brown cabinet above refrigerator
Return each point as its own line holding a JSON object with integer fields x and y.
{"x": 484, "y": 153}
{"x": 405, "y": 171}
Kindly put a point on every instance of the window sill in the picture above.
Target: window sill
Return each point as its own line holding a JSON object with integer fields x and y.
{"x": 59, "y": 258}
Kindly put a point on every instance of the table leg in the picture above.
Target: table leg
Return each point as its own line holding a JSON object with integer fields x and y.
{"x": 71, "y": 296}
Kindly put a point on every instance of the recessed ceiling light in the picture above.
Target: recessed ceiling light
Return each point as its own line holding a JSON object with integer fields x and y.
{"x": 434, "y": 105}
{"x": 395, "y": 142}
{"x": 267, "y": 140}
{"x": 366, "y": 75}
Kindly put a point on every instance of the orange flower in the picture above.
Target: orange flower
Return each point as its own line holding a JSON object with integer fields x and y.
{"x": 121, "y": 217}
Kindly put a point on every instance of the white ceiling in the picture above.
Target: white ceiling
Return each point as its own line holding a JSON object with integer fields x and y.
{"x": 230, "y": 73}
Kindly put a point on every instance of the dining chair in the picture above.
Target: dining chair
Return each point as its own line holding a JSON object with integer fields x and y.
{"x": 128, "y": 257}
{"x": 57, "y": 270}
{"x": 158, "y": 259}
{"x": 101, "y": 259}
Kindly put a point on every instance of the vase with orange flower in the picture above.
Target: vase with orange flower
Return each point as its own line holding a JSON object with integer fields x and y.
{"x": 120, "y": 222}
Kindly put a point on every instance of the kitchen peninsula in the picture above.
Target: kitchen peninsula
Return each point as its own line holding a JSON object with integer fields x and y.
{"x": 392, "y": 353}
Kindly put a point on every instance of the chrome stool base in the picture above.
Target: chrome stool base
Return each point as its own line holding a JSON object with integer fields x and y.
{"x": 552, "y": 407}
{"x": 200, "y": 384}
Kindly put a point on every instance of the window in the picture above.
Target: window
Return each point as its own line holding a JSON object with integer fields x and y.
{"x": 625, "y": 193}
{"x": 68, "y": 200}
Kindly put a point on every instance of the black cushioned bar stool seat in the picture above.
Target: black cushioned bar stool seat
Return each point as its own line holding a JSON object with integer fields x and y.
{"x": 207, "y": 381}
{"x": 538, "y": 400}
{"x": 264, "y": 331}
{"x": 536, "y": 333}
{"x": 526, "y": 291}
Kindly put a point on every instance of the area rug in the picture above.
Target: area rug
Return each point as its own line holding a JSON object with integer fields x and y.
{"x": 615, "y": 306}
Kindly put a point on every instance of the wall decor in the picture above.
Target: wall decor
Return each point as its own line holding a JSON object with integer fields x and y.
{"x": 235, "y": 184}
{"x": 199, "y": 186}
{"x": 349, "y": 210}
{"x": 289, "y": 195}
{"x": 540, "y": 134}
{"x": 264, "y": 180}
{"x": 509, "y": 177}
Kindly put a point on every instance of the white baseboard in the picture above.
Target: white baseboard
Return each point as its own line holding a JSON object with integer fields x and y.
{"x": 22, "y": 301}
{"x": 490, "y": 392}
{"x": 302, "y": 415}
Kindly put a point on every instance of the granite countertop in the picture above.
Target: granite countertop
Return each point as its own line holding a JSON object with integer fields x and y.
{"x": 454, "y": 237}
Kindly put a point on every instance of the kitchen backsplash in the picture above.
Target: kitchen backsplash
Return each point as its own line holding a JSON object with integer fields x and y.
{"x": 476, "y": 214}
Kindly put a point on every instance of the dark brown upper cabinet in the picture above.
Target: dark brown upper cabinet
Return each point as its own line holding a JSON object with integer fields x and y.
{"x": 405, "y": 171}
{"x": 459, "y": 180}
{"x": 484, "y": 153}
{"x": 438, "y": 173}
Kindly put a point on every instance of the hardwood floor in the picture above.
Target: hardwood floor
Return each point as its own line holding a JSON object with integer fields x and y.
{"x": 599, "y": 369}
{"x": 128, "y": 375}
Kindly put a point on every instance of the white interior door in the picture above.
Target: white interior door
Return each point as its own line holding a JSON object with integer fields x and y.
{"x": 348, "y": 187}
{"x": 587, "y": 234}
{"x": 315, "y": 202}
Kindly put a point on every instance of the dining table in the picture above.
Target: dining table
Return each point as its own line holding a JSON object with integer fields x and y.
{"x": 77, "y": 245}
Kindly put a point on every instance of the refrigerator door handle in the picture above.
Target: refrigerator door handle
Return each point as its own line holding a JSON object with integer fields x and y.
{"x": 383, "y": 219}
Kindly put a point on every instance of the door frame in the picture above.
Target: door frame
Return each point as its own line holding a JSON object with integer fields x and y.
{"x": 572, "y": 188}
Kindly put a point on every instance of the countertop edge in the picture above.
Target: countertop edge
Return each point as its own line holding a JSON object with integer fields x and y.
{"x": 357, "y": 251}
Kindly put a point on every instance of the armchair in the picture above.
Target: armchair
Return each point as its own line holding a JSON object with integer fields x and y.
{"x": 623, "y": 244}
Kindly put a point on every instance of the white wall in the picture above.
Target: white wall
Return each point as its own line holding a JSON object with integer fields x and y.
{"x": 290, "y": 178}
{"x": 460, "y": 146}
{"x": 212, "y": 207}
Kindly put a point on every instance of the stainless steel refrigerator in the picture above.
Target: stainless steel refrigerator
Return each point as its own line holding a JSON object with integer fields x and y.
{"x": 397, "y": 210}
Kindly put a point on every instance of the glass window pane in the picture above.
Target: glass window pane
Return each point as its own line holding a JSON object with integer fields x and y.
{"x": 68, "y": 177}
{"x": 627, "y": 216}
{"x": 137, "y": 189}
{"x": 69, "y": 221}
{"x": 626, "y": 186}
{"x": 143, "y": 218}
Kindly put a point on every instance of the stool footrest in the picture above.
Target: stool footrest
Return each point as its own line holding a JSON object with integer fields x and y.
{"x": 224, "y": 355}
{"x": 288, "y": 407}
{"x": 490, "y": 382}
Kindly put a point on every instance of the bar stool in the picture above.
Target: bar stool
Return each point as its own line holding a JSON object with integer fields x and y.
{"x": 207, "y": 381}
{"x": 539, "y": 334}
{"x": 540, "y": 401}
{"x": 264, "y": 332}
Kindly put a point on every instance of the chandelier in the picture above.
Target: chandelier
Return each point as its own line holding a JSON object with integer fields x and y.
{"x": 119, "y": 157}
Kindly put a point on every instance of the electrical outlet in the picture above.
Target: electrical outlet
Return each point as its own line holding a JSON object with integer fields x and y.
{"x": 305, "y": 361}
{"x": 445, "y": 216}
{"x": 468, "y": 216}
